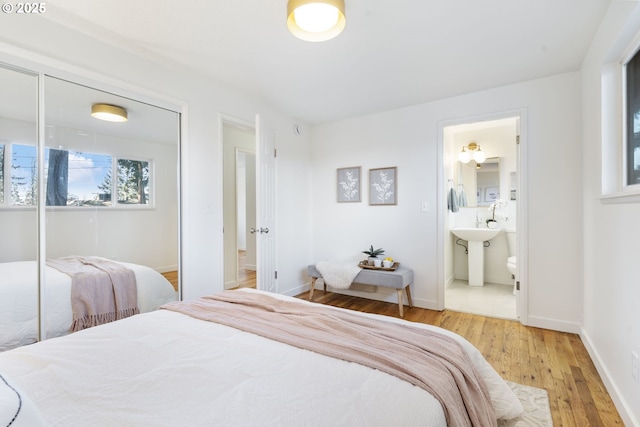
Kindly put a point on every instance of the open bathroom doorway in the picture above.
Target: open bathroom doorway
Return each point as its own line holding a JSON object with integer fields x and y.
{"x": 482, "y": 188}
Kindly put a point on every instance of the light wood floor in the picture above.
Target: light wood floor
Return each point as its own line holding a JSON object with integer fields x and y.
{"x": 246, "y": 278}
{"x": 555, "y": 361}
{"x": 172, "y": 276}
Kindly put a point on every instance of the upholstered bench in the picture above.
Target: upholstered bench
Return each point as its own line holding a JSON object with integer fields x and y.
{"x": 398, "y": 279}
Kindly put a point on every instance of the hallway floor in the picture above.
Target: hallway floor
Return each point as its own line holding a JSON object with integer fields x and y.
{"x": 492, "y": 300}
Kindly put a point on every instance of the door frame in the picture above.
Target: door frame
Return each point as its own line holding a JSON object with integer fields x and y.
{"x": 522, "y": 217}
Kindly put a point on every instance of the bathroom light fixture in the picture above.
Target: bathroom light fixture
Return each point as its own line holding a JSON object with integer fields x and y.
{"x": 315, "y": 20}
{"x": 472, "y": 151}
{"x": 110, "y": 113}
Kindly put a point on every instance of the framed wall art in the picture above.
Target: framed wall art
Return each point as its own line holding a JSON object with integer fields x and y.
{"x": 348, "y": 188}
{"x": 383, "y": 186}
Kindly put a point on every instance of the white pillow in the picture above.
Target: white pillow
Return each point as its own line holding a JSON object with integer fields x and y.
{"x": 16, "y": 409}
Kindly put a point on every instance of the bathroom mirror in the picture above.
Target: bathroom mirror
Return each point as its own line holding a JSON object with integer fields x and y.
{"x": 481, "y": 182}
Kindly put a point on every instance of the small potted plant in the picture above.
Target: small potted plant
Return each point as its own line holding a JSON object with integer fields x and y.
{"x": 373, "y": 254}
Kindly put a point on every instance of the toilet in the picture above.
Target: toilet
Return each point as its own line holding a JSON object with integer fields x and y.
{"x": 512, "y": 265}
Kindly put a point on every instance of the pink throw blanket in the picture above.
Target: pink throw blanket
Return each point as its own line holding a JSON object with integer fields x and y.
{"x": 101, "y": 290}
{"x": 424, "y": 358}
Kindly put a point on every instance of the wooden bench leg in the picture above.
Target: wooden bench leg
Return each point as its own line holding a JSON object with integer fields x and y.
{"x": 313, "y": 287}
{"x": 400, "y": 302}
{"x": 408, "y": 288}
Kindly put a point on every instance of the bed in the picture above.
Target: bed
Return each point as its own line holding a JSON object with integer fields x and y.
{"x": 18, "y": 300}
{"x": 169, "y": 368}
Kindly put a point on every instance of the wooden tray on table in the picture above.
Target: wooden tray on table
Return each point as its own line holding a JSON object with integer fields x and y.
{"x": 364, "y": 264}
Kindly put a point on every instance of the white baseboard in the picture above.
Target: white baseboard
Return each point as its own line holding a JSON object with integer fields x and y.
{"x": 554, "y": 324}
{"x": 297, "y": 290}
{"x": 166, "y": 269}
{"x": 499, "y": 280}
{"x": 623, "y": 407}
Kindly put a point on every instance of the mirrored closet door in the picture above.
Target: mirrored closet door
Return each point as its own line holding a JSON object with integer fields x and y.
{"x": 18, "y": 214}
{"x": 111, "y": 181}
{"x": 110, "y": 190}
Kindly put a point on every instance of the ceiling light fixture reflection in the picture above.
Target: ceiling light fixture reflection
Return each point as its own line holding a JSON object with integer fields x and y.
{"x": 315, "y": 20}
{"x": 110, "y": 113}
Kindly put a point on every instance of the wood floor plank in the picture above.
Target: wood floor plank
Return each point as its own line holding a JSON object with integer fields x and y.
{"x": 586, "y": 398}
{"x": 555, "y": 361}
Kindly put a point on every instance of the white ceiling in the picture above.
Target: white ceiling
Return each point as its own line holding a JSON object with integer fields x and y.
{"x": 393, "y": 53}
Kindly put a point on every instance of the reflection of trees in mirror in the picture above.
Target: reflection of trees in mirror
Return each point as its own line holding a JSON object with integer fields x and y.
{"x": 23, "y": 179}
{"x": 73, "y": 178}
{"x": 133, "y": 182}
{"x": 58, "y": 177}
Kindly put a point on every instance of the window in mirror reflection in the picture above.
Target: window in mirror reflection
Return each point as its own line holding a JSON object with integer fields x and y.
{"x": 133, "y": 182}
{"x": 86, "y": 179}
{"x": 72, "y": 178}
{"x": 19, "y": 165}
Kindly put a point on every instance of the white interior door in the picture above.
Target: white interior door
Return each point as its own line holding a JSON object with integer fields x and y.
{"x": 266, "y": 206}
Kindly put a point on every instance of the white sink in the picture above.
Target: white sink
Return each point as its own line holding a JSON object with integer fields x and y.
{"x": 476, "y": 238}
{"x": 476, "y": 234}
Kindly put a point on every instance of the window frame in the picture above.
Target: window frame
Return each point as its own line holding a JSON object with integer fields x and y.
{"x": 615, "y": 188}
{"x": 627, "y": 120}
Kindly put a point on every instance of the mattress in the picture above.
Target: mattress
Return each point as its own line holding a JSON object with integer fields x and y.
{"x": 19, "y": 303}
{"x": 164, "y": 368}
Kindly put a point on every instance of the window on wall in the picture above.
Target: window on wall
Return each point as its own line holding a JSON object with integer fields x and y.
{"x": 632, "y": 119}
{"x": 72, "y": 178}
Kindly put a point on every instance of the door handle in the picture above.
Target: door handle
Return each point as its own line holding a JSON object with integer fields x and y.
{"x": 264, "y": 230}
{"x": 253, "y": 230}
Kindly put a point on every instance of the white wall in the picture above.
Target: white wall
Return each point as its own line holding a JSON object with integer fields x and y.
{"x": 611, "y": 326}
{"x": 408, "y": 138}
{"x": 43, "y": 45}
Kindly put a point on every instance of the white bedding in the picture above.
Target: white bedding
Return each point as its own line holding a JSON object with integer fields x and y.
{"x": 18, "y": 300}
{"x": 168, "y": 369}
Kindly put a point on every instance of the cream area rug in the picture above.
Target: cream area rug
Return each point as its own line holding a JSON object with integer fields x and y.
{"x": 536, "y": 407}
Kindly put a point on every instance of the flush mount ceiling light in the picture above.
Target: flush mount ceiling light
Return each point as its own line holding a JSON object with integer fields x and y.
{"x": 472, "y": 151}
{"x": 315, "y": 20}
{"x": 110, "y": 113}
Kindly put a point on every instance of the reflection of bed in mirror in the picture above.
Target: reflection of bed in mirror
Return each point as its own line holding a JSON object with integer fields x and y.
{"x": 19, "y": 304}
{"x": 261, "y": 359}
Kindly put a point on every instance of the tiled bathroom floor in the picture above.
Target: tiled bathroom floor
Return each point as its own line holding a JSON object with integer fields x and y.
{"x": 491, "y": 300}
